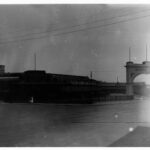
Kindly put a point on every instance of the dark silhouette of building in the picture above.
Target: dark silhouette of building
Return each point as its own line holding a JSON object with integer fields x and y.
{"x": 42, "y": 87}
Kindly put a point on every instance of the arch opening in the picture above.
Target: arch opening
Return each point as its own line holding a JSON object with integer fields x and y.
{"x": 141, "y": 85}
{"x": 142, "y": 78}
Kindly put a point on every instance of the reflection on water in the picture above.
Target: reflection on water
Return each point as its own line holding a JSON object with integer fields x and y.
{"x": 66, "y": 125}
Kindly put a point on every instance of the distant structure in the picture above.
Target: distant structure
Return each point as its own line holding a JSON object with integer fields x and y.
{"x": 2, "y": 69}
{"x": 133, "y": 70}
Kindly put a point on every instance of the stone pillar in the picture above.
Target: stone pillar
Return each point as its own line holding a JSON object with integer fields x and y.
{"x": 129, "y": 78}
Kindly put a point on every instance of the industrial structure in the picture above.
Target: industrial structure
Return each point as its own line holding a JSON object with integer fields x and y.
{"x": 45, "y": 87}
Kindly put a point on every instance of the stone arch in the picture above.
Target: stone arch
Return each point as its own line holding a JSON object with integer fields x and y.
{"x": 132, "y": 71}
{"x": 145, "y": 78}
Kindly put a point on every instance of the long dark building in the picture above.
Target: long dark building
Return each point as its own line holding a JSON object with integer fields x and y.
{"x": 40, "y": 87}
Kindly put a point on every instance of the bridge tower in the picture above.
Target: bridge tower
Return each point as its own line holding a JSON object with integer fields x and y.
{"x": 132, "y": 71}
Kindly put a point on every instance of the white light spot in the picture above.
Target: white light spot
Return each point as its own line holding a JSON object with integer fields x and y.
{"x": 32, "y": 100}
{"x": 134, "y": 58}
{"x": 116, "y": 116}
{"x": 131, "y": 129}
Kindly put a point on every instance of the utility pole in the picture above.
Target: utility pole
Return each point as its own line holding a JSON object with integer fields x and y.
{"x": 117, "y": 80}
{"x": 35, "y": 61}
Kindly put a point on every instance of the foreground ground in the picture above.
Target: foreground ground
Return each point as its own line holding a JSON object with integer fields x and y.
{"x": 70, "y": 125}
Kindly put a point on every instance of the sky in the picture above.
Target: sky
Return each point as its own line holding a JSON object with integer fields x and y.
{"x": 74, "y": 39}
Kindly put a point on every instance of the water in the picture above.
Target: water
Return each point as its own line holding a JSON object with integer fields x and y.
{"x": 67, "y": 125}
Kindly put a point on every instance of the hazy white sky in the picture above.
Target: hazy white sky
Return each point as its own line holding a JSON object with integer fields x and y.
{"x": 103, "y": 50}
